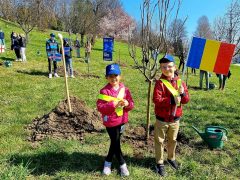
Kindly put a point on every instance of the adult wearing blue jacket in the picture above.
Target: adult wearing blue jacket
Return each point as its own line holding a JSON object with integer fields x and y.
{"x": 52, "y": 50}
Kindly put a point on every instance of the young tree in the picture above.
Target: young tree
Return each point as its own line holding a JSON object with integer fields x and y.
{"x": 227, "y": 28}
{"x": 33, "y": 13}
{"x": 117, "y": 24}
{"x": 203, "y": 28}
{"x": 233, "y": 25}
{"x": 81, "y": 15}
{"x": 177, "y": 37}
{"x": 219, "y": 29}
{"x": 100, "y": 9}
{"x": 166, "y": 10}
{"x": 6, "y": 9}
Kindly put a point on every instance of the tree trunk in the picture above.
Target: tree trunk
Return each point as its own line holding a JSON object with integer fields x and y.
{"x": 27, "y": 37}
{"x": 148, "y": 108}
{"x": 82, "y": 39}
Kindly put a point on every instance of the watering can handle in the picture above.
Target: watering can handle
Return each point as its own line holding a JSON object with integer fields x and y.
{"x": 219, "y": 128}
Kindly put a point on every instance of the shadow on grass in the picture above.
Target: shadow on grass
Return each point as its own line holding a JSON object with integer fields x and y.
{"x": 7, "y": 59}
{"x": 33, "y": 72}
{"x": 52, "y": 162}
{"x": 197, "y": 88}
{"x": 97, "y": 49}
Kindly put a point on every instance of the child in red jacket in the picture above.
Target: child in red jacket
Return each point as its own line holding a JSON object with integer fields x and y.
{"x": 169, "y": 95}
{"x": 114, "y": 102}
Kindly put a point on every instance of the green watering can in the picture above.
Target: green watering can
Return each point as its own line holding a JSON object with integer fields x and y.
{"x": 213, "y": 136}
{"x": 7, "y": 63}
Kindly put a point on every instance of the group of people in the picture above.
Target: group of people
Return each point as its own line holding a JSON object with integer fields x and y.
{"x": 222, "y": 78}
{"x": 18, "y": 44}
{"x": 54, "y": 54}
{"x": 115, "y": 101}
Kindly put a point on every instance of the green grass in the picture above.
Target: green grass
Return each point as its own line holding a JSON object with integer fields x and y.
{"x": 26, "y": 93}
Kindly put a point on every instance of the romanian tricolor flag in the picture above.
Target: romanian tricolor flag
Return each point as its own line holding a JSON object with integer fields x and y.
{"x": 210, "y": 55}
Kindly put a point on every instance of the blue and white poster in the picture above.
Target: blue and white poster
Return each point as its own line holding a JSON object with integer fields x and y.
{"x": 107, "y": 48}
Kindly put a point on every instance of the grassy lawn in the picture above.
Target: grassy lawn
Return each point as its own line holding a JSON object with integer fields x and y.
{"x": 26, "y": 92}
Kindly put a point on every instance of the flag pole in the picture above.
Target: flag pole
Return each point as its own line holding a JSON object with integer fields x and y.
{"x": 65, "y": 77}
{"x": 184, "y": 70}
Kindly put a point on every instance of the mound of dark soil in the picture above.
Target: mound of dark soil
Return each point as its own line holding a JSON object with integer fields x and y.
{"x": 59, "y": 123}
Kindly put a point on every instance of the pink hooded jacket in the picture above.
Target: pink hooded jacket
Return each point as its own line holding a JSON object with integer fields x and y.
{"x": 107, "y": 109}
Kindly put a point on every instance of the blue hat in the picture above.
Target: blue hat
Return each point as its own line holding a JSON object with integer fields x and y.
{"x": 167, "y": 58}
{"x": 113, "y": 69}
{"x": 52, "y": 35}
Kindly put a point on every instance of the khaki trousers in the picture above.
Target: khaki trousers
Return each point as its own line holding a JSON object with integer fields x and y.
{"x": 164, "y": 130}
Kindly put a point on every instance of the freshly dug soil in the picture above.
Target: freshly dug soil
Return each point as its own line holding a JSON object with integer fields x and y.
{"x": 60, "y": 71}
{"x": 59, "y": 123}
{"x": 136, "y": 137}
{"x": 76, "y": 74}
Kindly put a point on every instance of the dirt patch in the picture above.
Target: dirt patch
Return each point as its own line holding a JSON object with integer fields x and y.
{"x": 77, "y": 74}
{"x": 89, "y": 76}
{"x": 60, "y": 71}
{"x": 136, "y": 137}
{"x": 59, "y": 123}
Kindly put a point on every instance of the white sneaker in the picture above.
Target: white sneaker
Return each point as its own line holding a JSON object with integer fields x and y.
{"x": 56, "y": 75}
{"x": 124, "y": 170}
{"x": 50, "y": 76}
{"x": 72, "y": 76}
{"x": 107, "y": 168}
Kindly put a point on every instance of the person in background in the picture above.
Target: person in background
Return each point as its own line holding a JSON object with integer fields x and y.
{"x": 170, "y": 92}
{"x": 52, "y": 50}
{"x": 182, "y": 62}
{"x": 222, "y": 79}
{"x": 193, "y": 71}
{"x": 15, "y": 45}
{"x": 88, "y": 49}
{"x": 68, "y": 57}
{"x": 23, "y": 43}
{"x": 114, "y": 102}
{"x": 77, "y": 46}
{"x": 202, "y": 73}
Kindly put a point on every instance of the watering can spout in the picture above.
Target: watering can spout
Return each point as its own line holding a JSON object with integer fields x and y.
{"x": 201, "y": 134}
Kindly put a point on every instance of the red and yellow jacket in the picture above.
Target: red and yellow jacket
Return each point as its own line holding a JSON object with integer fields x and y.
{"x": 164, "y": 101}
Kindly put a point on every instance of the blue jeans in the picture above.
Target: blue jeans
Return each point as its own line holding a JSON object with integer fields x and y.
{"x": 69, "y": 66}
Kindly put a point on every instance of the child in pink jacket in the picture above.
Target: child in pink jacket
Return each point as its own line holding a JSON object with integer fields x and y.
{"x": 114, "y": 102}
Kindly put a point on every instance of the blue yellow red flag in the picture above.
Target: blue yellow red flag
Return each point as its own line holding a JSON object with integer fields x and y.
{"x": 210, "y": 55}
